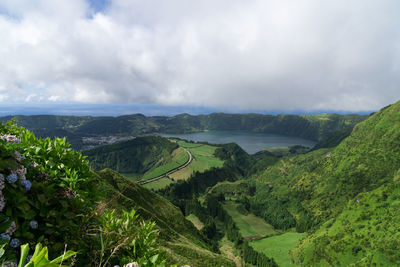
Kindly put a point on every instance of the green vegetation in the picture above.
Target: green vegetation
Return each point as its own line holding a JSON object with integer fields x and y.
{"x": 196, "y": 221}
{"x": 343, "y": 195}
{"x": 278, "y": 247}
{"x": 40, "y": 257}
{"x": 343, "y": 199}
{"x": 179, "y": 157}
{"x": 282, "y": 151}
{"x": 50, "y": 195}
{"x": 158, "y": 184}
{"x": 203, "y": 159}
{"x": 134, "y": 156}
{"x": 182, "y": 242}
{"x": 313, "y": 127}
{"x": 132, "y": 176}
{"x": 228, "y": 249}
{"x": 249, "y": 225}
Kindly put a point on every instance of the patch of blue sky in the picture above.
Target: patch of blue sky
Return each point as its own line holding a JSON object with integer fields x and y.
{"x": 99, "y": 5}
{"x": 7, "y": 15}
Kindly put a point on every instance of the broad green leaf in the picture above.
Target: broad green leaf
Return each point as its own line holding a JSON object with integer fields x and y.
{"x": 24, "y": 254}
{"x": 38, "y": 248}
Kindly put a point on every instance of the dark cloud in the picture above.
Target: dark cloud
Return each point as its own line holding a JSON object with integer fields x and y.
{"x": 261, "y": 55}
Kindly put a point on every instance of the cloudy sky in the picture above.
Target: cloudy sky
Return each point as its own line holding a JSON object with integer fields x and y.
{"x": 230, "y": 55}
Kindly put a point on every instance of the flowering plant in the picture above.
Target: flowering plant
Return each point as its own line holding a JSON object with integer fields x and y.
{"x": 44, "y": 191}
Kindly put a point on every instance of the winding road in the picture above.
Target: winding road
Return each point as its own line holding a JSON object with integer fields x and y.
{"x": 169, "y": 172}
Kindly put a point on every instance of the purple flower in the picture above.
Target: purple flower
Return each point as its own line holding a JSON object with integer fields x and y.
{"x": 12, "y": 178}
{"x": 33, "y": 224}
{"x": 26, "y": 184}
{"x": 5, "y": 236}
{"x": 14, "y": 243}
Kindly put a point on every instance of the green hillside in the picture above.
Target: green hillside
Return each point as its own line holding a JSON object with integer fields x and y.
{"x": 134, "y": 156}
{"x": 346, "y": 196}
{"x": 49, "y": 195}
{"x": 182, "y": 241}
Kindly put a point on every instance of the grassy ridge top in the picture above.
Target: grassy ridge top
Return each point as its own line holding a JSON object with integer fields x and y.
{"x": 345, "y": 192}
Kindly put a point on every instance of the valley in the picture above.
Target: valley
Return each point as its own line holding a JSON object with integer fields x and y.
{"x": 286, "y": 205}
{"x": 199, "y": 133}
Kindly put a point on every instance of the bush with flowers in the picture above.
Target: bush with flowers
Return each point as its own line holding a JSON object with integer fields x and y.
{"x": 48, "y": 194}
{"x": 45, "y": 191}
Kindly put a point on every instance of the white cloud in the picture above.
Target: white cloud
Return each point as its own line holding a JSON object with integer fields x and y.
{"x": 303, "y": 55}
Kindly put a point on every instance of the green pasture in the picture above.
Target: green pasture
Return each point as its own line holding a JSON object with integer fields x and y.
{"x": 249, "y": 225}
{"x": 203, "y": 159}
{"x": 278, "y": 246}
{"x": 179, "y": 157}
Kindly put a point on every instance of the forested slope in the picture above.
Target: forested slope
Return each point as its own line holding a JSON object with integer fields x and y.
{"x": 134, "y": 156}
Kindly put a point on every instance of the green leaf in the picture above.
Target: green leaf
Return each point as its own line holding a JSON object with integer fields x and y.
{"x": 24, "y": 254}
{"x": 154, "y": 259}
{"x": 63, "y": 257}
{"x": 38, "y": 248}
{"x": 2, "y": 250}
{"x": 41, "y": 257}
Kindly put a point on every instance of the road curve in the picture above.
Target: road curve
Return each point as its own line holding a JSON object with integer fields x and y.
{"x": 169, "y": 172}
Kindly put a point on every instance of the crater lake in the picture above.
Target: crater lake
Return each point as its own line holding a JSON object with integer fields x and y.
{"x": 251, "y": 142}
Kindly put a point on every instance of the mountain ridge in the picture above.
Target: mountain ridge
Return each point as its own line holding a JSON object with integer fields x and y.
{"x": 313, "y": 127}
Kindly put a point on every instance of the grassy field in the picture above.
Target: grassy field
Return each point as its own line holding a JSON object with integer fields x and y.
{"x": 203, "y": 159}
{"x": 179, "y": 157}
{"x": 196, "y": 221}
{"x": 278, "y": 246}
{"x": 249, "y": 225}
{"x": 159, "y": 184}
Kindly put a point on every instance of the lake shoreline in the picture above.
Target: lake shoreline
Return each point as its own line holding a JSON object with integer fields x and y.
{"x": 251, "y": 142}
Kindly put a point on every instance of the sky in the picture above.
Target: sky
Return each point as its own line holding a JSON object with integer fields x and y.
{"x": 199, "y": 56}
